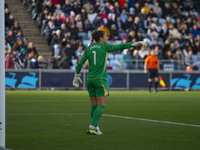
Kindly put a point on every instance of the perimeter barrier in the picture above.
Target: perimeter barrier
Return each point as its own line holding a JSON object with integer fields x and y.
{"x": 118, "y": 80}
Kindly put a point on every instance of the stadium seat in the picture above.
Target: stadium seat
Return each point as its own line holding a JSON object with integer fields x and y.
{"x": 72, "y": 67}
{"x": 108, "y": 62}
{"x": 186, "y": 13}
{"x": 118, "y": 56}
{"x": 161, "y": 21}
{"x": 196, "y": 14}
{"x": 151, "y": 6}
{"x": 74, "y": 61}
{"x": 111, "y": 56}
{"x": 159, "y": 28}
{"x": 118, "y": 42}
{"x": 82, "y": 35}
{"x": 115, "y": 65}
{"x": 86, "y": 43}
{"x": 173, "y": 20}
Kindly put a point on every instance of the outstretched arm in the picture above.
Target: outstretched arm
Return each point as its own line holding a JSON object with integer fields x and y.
{"x": 110, "y": 47}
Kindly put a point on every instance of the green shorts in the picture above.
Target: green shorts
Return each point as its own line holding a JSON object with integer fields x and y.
{"x": 97, "y": 87}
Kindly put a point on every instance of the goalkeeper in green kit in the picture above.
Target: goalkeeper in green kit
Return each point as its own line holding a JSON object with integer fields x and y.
{"x": 97, "y": 81}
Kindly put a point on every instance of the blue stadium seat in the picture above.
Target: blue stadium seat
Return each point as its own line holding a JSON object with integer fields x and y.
{"x": 118, "y": 42}
{"x": 72, "y": 67}
{"x": 111, "y": 56}
{"x": 86, "y": 43}
{"x": 161, "y": 21}
{"x": 196, "y": 14}
{"x": 81, "y": 34}
{"x": 186, "y": 13}
{"x": 151, "y": 6}
{"x": 114, "y": 63}
{"x": 74, "y": 61}
{"x": 118, "y": 56}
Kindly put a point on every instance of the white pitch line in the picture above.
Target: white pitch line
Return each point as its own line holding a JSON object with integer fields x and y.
{"x": 53, "y": 114}
{"x": 150, "y": 120}
{"x": 106, "y": 115}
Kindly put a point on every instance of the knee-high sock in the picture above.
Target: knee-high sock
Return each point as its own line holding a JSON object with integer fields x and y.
{"x": 156, "y": 85}
{"x": 150, "y": 86}
{"x": 97, "y": 115}
{"x": 93, "y": 108}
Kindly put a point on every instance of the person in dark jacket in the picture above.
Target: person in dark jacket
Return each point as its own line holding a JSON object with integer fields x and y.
{"x": 65, "y": 62}
{"x": 10, "y": 21}
{"x": 67, "y": 8}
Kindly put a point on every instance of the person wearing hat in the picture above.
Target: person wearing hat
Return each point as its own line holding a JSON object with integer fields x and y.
{"x": 22, "y": 57}
{"x": 131, "y": 11}
{"x": 102, "y": 27}
{"x": 58, "y": 9}
{"x": 103, "y": 13}
{"x": 114, "y": 34}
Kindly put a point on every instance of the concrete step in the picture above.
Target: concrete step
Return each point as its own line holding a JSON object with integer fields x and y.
{"x": 23, "y": 17}
{"x": 46, "y": 53}
{"x": 43, "y": 42}
{"x": 29, "y": 27}
{"x": 22, "y": 13}
{"x": 29, "y": 23}
{"x": 41, "y": 46}
{"x": 30, "y": 34}
{"x": 24, "y": 10}
{"x": 15, "y": 5}
{"x": 15, "y": 1}
{"x": 23, "y": 26}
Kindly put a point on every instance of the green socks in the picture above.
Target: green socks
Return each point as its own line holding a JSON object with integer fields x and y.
{"x": 93, "y": 108}
{"x": 97, "y": 115}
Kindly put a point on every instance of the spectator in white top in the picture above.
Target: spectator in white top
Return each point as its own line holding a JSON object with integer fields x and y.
{"x": 157, "y": 9}
{"x": 190, "y": 60}
{"x": 152, "y": 32}
{"x": 91, "y": 15}
{"x": 112, "y": 13}
{"x": 79, "y": 51}
{"x": 142, "y": 52}
{"x": 173, "y": 31}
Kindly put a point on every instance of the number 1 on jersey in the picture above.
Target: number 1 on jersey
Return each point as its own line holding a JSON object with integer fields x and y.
{"x": 94, "y": 52}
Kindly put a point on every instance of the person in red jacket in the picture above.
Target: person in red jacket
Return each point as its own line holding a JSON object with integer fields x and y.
{"x": 9, "y": 61}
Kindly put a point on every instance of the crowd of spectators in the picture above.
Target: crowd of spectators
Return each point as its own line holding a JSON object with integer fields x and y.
{"x": 172, "y": 28}
{"x": 19, "y": 52}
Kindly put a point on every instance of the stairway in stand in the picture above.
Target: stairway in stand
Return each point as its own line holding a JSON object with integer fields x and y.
{"x": 29, "y": 27}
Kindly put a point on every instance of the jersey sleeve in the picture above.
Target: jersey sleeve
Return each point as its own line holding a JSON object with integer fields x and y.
{"x": 147, "y": 60}
{"x": 157, "y": 60}
{"x": 81, "y": 63}
{"x": 110, "y": 47}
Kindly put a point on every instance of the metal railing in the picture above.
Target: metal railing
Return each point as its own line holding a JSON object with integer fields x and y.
{"x": 165, "y": 65}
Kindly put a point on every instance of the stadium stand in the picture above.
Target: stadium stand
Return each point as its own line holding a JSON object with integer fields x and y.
{"x": 174, "y": 25}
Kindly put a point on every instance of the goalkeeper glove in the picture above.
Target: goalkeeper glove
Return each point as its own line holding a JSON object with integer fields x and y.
{"x": 76, "y": 80}
{"x": 139, "y": 43}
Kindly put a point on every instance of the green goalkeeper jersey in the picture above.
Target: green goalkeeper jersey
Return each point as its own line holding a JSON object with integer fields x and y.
{"x": 97, "y": 55}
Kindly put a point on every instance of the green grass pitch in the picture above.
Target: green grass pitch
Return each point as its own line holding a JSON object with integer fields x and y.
{"x": 57, "y": 120}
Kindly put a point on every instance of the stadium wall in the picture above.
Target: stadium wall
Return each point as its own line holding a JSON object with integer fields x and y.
{"x": 119, "y": 80}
